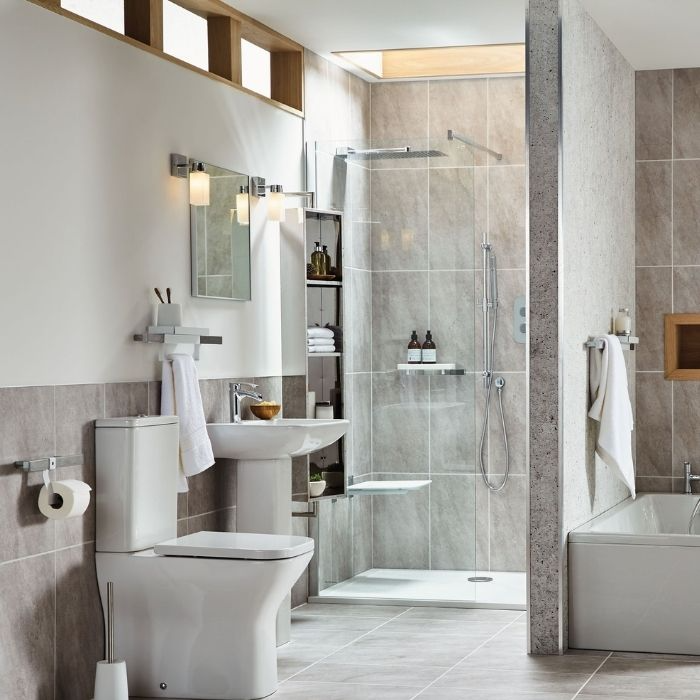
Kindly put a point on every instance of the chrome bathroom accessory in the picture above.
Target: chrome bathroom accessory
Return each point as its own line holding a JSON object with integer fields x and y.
{"x": 627, "y": 341}
{"x": 48, "y": 466}
{"x": 176, "y": 335}
{"x": 489, "y": 310}
{"x": 236, "y": 394}
{"x": 689, "y": 477}
{"x": 454, "y": 136}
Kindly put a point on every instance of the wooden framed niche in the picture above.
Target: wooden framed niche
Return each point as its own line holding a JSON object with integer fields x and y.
{"x": 682, "y": 347}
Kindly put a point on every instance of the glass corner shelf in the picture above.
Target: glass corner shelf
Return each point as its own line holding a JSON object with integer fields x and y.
{"x": 434, "y": 369}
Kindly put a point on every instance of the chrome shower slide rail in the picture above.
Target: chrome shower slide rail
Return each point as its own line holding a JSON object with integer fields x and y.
{"x": 454, "y": 136}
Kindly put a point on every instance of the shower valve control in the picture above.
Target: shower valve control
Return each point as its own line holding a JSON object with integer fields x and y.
{"x": 519, "y": 320}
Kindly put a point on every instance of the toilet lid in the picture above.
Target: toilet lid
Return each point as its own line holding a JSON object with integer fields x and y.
{"x": 236, "y": 545}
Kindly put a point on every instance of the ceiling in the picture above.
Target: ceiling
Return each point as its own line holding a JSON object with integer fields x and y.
{"x": 325, "y": 26}
{"x": 648, "y": 34}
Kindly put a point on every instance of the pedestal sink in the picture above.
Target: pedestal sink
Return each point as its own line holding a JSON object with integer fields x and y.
{"x": 264, "y": 450}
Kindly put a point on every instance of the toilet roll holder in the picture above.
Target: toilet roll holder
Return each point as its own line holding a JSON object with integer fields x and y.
{"x": 48, "y": 466}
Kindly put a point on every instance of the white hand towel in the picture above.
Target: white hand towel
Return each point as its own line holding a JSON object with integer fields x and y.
{"x": 322, "y": 348}
{"x": 317, "y": 332}
{"x": 612, "y": 409}
{"x": 320, "y": 341}
{"x": 180, "y": 396}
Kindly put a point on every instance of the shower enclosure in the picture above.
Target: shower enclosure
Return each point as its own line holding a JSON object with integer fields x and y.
{"x": 418, "y": 256}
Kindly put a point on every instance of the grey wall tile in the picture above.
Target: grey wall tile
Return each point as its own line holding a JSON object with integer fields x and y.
{"x": 79, "y": 623}
{"x": 507, "y": 215}
{"x": 388, "y": 122}
{"x": 452, "y": 522}
{"x": 212, "y": 391}
{"x": 27, "y": 628}
{"x": 508, "y": 523}
{"x": 358, "y": 344}
{"x": 653, "y": 300}
{"x": 459, "y": 105}
{"x": 686, "y": 212}
{"x": 654, "y": 484}
{"x": 212, "y": 489}
{"x": 26, "y": 432}
{"x": 361, "y": 427}
{"x": 400, "y": 211}
{"x": 506, "y": 105}
{"x": 686, "y": 292}
{"x": 653, "y": 114}
{"x": 361, "y": 533}
{"x": 515, "y": 410}
{"x": 452, "y": 201}
{"x": 654, "y": 425}
{"x": 452, "y": 316}
{"x": 686, "y": 107}
{"x": 653, "y": 231}
{"x": 400, "y": 423}
{"x": 359, "y": 116}
{"x": 399, "y": 305}
{"x": 452, "y": 413}
{"x": 342, "y": 539}
{"x": 686, "y": 438}
{"x": 400, "y": 528}
{"x": 126, "y": 399}
{"x": 154, "y": 392}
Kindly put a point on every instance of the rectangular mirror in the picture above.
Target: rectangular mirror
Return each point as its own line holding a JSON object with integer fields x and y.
{"x": 220, "y": 235}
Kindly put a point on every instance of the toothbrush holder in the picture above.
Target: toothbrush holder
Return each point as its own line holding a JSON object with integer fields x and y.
{"x": 169, "y": 315}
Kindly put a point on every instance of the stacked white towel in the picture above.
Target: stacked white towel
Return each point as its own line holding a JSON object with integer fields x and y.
{"x": 320, "y": 339}
{"x": 612, "y": 409}
{"x": 180, "y": 396}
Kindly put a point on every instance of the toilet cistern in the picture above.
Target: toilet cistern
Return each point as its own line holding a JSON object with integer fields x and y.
{"x": 236, "y": 395}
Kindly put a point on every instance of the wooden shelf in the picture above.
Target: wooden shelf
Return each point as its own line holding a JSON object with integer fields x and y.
{"x": 682, "y": 347}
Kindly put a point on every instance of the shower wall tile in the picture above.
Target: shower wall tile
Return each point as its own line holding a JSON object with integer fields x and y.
{"x": 126, "y": 399}
{"x": 686, "y": 107}
{"x": 686, "y": 291}
{"x": 686, "y": 437}
{"x": 27, "y": 628}
{"x": 26, "y": 432}
{"x": 506, "y": 104}
{"x": 451, "y": 219}
{"x": 459, "y": 105}
{"x": 359, "y": 112}
{"x": 654, "y": 117}
{"x": 361, "y": 426}
{"x": 400, "y": 425}
{"x": 655, "y": 484}
{"x": 399, "y": 110}
{"x": 342, "y": 539}
{"x": 452, "y": 424}
{"x": 399, "y": 305}
{"x": 654, "y": 425}
{"x": 515, "y": 410}
{"x": 79, "y": 623}
{"x": 361, "y": 508}
{"x": 506, "y": 212}
{"x": 508, "y": 525}
{"x": 452, "y": 316}
{"x": 653, "y": 230}
{"x": 452, "y": 522}
{"x": 401, "y": 528}
{"x": 653, "y": 300}
{"x": 358, "y": 344}
{"x": 400, "y": 211}
{"x": 686, "y": 212}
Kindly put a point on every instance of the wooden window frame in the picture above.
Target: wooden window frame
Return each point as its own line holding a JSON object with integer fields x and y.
{"x": 143, "y": 28}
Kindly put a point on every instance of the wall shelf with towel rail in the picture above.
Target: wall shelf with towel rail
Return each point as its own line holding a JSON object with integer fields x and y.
{"x": 175, "y": 335}
{"x": 627, "y": 341}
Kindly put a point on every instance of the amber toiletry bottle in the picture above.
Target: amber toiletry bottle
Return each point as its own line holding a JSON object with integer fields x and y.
{"x": 429, "y": 352}
{"x": 327, "y": 260}
{"x": 318, "y": 260}
{"x": 414, "y": 351}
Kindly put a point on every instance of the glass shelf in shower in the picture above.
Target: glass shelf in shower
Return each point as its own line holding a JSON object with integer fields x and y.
{"x": 439, "y": 368}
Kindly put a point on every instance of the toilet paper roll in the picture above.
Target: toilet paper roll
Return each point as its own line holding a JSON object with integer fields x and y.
{"x": 74, "y": 498}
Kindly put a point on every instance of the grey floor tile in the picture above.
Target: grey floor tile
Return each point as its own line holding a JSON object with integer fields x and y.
{"x": 506, "y": 680}
{"x": 516, "y": 659}
{"x": 372, "y": 674}
{"x": 464, "y": 628}
{"x": 658, "y": 669}
{"x": 645, "y": 686}
{"x": 344, "y": 691}
{"x": 434, "y": 693}
{"x": 424, "y": 613}
{"x": 302, "y": 622}
{"x": 335, "y": 610}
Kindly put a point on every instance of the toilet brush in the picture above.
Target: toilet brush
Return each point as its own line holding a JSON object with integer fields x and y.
{"x": 110, "y": 675}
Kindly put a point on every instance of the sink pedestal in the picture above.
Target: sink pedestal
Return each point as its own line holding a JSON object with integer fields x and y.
{"x": 264, "y": 505}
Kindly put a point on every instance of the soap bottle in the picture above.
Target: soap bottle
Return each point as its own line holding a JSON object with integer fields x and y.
{"x": 326, "y": 260}
{"x": 623, "y": 322}
{"x": 318, "y": 261}
{"x": 414, "y": 350}
{"x": 429, "y": 352}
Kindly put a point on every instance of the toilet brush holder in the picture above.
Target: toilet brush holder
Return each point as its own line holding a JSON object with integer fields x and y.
{"x": 110, "y": 675}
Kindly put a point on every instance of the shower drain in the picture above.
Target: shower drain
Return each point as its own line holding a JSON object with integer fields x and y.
{"x": 480, "y": 579}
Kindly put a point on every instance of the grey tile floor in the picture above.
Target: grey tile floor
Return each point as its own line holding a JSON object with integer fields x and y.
{"x": 374, "y": 652}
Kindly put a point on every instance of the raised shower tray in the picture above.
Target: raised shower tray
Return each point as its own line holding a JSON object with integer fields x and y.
{"x": 438, "y": 368}
{"x": 385, "y": 488}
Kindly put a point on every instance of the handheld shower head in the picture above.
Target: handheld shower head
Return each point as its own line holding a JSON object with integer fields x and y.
{"x": 493, "y": 277}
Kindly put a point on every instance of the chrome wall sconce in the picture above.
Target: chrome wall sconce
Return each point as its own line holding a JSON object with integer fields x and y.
{"x": 182, "y": 166}
{"x": 276, "y": 197}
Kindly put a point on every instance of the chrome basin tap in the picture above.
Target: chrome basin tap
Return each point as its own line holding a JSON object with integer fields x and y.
{"x": 689, "y": 477}
{"x": 236, "y": 395}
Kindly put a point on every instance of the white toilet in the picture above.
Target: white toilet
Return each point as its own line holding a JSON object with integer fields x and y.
{"x": 194, "y": 615}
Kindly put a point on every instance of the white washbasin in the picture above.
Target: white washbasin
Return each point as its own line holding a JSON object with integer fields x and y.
{"x": 274, "y": 439}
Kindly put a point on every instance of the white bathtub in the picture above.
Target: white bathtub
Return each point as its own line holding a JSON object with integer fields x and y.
{"x": 634, "y": 578}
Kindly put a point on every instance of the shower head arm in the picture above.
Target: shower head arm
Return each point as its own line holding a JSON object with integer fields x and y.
{"x": 454, "y": 136}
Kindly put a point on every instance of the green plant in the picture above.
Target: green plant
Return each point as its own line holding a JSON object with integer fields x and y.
{"x": 316, "y": 477}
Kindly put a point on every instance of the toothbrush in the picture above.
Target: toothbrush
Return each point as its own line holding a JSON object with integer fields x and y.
{"x": 167, "y": 292}
{"x": 158, "y": 294}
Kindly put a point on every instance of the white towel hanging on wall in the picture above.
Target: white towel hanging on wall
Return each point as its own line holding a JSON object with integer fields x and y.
{"x": 612, "y": 409}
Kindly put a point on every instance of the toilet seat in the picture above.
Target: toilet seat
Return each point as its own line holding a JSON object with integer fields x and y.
{"x": 235, "y": 545}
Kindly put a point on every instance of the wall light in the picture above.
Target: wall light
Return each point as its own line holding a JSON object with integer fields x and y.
{"x": 275, "y": 208}
{"x": 243, "y": 206}
{"x": 199, "y": 185}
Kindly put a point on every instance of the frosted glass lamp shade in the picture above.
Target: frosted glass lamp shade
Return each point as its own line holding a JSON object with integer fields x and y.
{"x": 242, "y": 208}
{"x": 199, "y": 186}
{"x": 275, "y": 206}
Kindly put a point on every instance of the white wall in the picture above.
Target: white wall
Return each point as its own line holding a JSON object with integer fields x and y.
{"x": 597, "y": 241}
{"x": 91, "y": 219}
